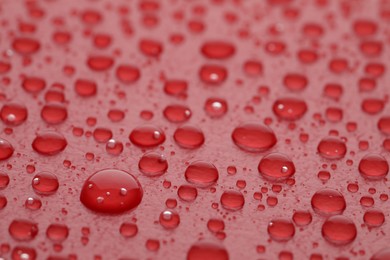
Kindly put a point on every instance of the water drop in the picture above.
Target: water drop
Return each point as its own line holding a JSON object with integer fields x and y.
{"x": 187, "y": 193}
{"x": 254, "y": 137}
{"x": 339, "y": 230}
{"x": 54, "y": 113}
{"x": 332, "y": 148}
{"x": 26, "y": 46}
{"x": 218, "y": 50}
{"x": 177, "y": 113}
{"x": 207, "y": 251}
{"x": 127, "y": 73}
{"x": 85, "y": 87}
{"x": 100, "y": 63}
{"x": 189, "y": 137}
{"x": 102, "y": 192}
{"x": 213, "y": 74}
{"x": 57, "y": 232}
{"x": 276, "y": 167}
{"x": 215, "y": 107}
{"x": 169, "y": 219}
{"x": 373, "y": 167}
{"x": 232, "y": 200}
{"x": 49, "y": 143}
{"x": 23, "y": 230}
{"x": 128, "y": 230}
{"x": 289, "y": 108}
{"x": 281, "y": 229}
{"x": 6, "y": 149}
{"x": 147, "y": 136}
{"x": 328, "y": 201}
{"x": 153, "y": 164}
{"x": 202, "y": 174}
{"x": 45, "y": 183}
{"x": 13, "y": 114}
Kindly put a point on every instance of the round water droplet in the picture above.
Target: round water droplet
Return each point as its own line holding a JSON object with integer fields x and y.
{"x": 187, "y": 193}
{"x": 207, "y": 251}
{"x": 218, "y": 50}
{"x": 114, "y": 147}
{"x": 176, "y": 88}
{"x": 100, "y": 63}
{"x": 232, "y": 200}
{"x": 276, "y": 167}
{"x": 33, "y": 203}
{"x": 102, "y": 135}
{"x": 339, "y": 230}
{"x": 177, "y": 113}
{"x": 102, "y": 192}
{"x": 373, "y": 167}
{"x": 153, "y": 164}
{"x": 85, "y": 87}
{"x": 372, "y": 106}
{"x": 289, "y": 108}
{"x": 54, "y": 113}
{"x": 281, "y": 229}
{"x": 302, "y": 218}
{"x": 215, "y": 225}
{"x": 23, "y": 230}
{"x": 215, "y": 107}
{"x": 49, "y": 143}
{"x": 127, "y": 74}
{"x": 6, "y": 149}
{"x": 189, "y": 137}
{"x": 213, "y": 74}
{"x": 45, "y": 183}
{"x": 13, "y": 114}
{"x": 254, "y": 137}
{"x": 202, "y": 174}
{"x": 332, "y": 148}
{"x": 128, "y": 230}
{"x": 57, "y": 232}
{"x": 169, "y": 219}
{"x": 374, "y": 218}
{"x": 147, "y": 136}
{"x": 253, "y": 68}
{"x": 364, "y": 28}
{"x": 328, "y": 201}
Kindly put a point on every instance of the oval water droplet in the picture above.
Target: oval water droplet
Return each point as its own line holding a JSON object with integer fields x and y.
{"x": 373, "y": 167}
{"x": 218, "y": 49}
{"x": 289, "y": 108}
{"x": 276, "y": 167}
{"x": 189, "y": 137}
{"x": 147, "y": 136}
{"x": 254, "y": 137}
{"x": 332, "y": 148}
{"x": 232, "y": 200}
{"x": 202, "y": 174}
{"x": 328, "y": 201}
{"x": 6, "y": 149}
{"x": 339, "y": 230}
{"x": 49, "y": 143}
{"x": 45, "y": 183}
{"x": 207, "y": 251}
{"x": 13, "y": 114}
{"x": 153, "y": 164}
{"x": 281, "y": 229}
{"x": 23, "y": 230}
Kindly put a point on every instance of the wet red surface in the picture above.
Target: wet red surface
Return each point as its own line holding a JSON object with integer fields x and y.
{"x": 220, "y": 129}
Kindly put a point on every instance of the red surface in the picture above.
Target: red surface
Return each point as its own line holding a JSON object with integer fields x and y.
{"x": 110, "y": 81}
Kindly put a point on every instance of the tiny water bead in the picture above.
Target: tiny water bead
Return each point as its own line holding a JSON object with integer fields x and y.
{"x": 85, "y": 87}
{"x": 177, "y": 113}
{"x": 332, "y": 148}
{"x": 232, "y": 200}
{"x": 374, "y": 218}
{"x": 189, "y": 137}
{"x": 169, "y": 219}
{"x": 373, "y": 167}
{"x": 45, "y": 183}
{"x": 207, "y": 251}
{"x": 13, "y": 114}
{"x": 289, "y": 108}
{"x": 54, "y": 113}
{"x": 23, "y": 230}
{"x": 281, "y": 229}
{"x": 218, "y": 50}
{"x": 127, "y": 74}
{"x": 153, "y": 164}
{"x": 213, "y": 74}
{"x": 339, "y": 230}
{"x": 6, "y": 149}
{"x": 328, "y": 202}
{"x": 202, "y": 174}
{"x": 147, "y": 136}
{"x": 49, "y": 143}
{"x": 111, "y": 191}
{"x": 253, "y": 137}
{"x": 215, "y": 107}
{"x": 128, "y": 230}
{"x": 57, "y": 232}
{"x": 276, "y": 167}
